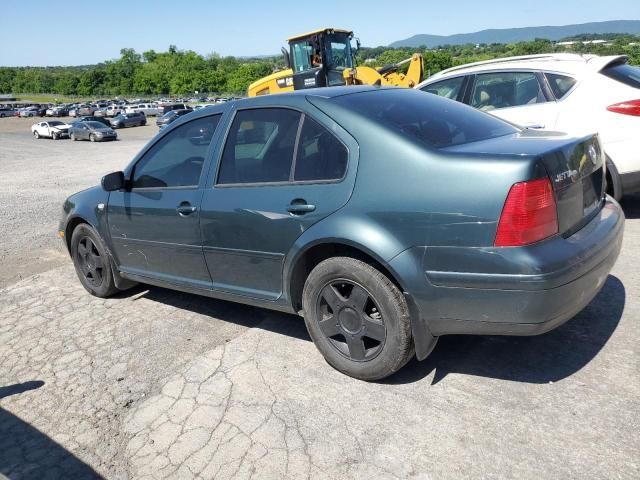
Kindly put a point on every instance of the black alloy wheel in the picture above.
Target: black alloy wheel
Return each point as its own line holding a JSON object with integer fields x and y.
{"x": 351, "y": 320}
{"x": 90, "y": 262}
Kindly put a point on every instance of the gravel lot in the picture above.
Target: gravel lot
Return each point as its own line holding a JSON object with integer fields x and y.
{"x": 159, "y": 384}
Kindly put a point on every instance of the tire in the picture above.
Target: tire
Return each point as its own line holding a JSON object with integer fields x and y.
{"x": 91, "y": 262}
{"x": 367, "y": 332}
{"x": 36, "y": 134}
{"x": 92, "y": 137}
{"x": 54, "y": 136}
{"x": 73, "y": 137}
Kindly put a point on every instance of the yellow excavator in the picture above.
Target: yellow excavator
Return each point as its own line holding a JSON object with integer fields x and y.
{"x": 324, "y": 58}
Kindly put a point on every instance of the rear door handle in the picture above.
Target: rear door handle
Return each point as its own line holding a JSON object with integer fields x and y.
{"x": 185, "y": 208}
{"x": 300, "y": 207}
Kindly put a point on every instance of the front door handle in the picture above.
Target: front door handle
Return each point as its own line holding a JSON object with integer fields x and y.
{"x": 300, "y": 207}
{"x": 185, "y": 208}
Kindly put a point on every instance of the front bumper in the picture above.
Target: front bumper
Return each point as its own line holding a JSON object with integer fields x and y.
{"x": 511, "y": 291}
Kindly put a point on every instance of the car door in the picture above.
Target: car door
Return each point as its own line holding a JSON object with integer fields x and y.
{"x": 155, "y": 223}
{"x": 518, "y": 97}
{"x": 262, "y": 200}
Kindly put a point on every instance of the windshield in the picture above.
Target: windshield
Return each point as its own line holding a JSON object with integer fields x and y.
{"x": 54, "y": 123}
{"x": 95, "y": 125}
{"x": 434, "y": 121}
{"x": 338, "y": 51}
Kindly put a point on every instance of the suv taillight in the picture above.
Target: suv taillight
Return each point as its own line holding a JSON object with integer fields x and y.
{"x": 529, "y": 214}
{"x": 631, "y": 107}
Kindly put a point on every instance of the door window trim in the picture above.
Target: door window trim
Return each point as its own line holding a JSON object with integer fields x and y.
{"x": 132, "y": 170}
{"x": 280, "y": 183}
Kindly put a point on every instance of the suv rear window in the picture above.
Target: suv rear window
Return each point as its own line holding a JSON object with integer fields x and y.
{"x": 624, "y": 73}
{"x": 432, "y": 120}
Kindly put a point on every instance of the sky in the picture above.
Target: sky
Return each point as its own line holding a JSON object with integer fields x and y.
{"x": 40, "y": 33}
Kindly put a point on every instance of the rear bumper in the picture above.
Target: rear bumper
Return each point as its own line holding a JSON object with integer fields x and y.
{"x": 511, "y": 291}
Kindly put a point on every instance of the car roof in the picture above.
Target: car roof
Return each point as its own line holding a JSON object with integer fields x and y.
{"x": 569, "y": 63}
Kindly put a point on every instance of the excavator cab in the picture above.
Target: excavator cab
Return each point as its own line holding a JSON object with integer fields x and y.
{"x": 319, "y": 58}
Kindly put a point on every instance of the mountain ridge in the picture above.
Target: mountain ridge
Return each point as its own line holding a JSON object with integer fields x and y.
{"x": 521, "y": 34}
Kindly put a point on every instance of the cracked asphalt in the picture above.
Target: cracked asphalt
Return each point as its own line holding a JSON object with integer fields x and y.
{"x": 160, "y": 384}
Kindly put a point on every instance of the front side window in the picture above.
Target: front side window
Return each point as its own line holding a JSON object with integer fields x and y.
{"x": 449, "y": 88}
{"x": 176, "y": 160}
{"x": 320, "y": 156}
{"x": 560, "y": 84}
{"x": 506, "y": 89}
{"x": 260, "y": 146}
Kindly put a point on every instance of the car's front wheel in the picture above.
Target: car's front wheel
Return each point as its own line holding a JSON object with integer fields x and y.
{"x": 36, "y": 134}
{"x": 91, "y": 262}
{"x": 358, "y": 318}
{"x": 92, "y": 137}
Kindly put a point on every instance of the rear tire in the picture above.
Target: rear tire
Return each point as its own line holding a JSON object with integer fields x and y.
{"x": 73, "y": 137}
{"x": 91, "y": 262}
{"x": 358, "y": 318}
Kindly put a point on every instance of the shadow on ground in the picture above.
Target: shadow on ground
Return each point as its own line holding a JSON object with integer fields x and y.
{"x": 540, "y": 359}
{"x": 28, "y": 454}
{"x": 631, "y": 206}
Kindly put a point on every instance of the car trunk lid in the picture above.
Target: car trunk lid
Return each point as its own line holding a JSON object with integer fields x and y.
{"x": 575, "y": 167}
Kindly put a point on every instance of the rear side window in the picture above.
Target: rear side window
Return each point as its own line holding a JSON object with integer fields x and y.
{"x": 429, "y": 119}
{"x": 449, "y": 88}
{"x": 624, "y": 73}
{"x": 560, "y": 84}
{"x": 320, "y": 155}
{"x": 506, "y": 89}
{"x": 260, "y": 146}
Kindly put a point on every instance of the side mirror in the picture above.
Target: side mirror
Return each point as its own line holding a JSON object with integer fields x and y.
{"x": 113, "y": 181}
{"x": 285, "y": 54}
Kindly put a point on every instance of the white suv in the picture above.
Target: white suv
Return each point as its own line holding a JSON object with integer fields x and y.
{"x": 567, "y": 92}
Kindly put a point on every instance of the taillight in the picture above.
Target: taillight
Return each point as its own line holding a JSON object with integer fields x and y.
{"x": 529, "y": 214}
{"x": 631, "y": 107}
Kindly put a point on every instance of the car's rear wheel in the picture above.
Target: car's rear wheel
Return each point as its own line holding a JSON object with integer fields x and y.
{"x": 91, "y": 262}
{"x": 36, "y": 134}
{"x": 358, "y": 318}
{"x": 73, "y": 136}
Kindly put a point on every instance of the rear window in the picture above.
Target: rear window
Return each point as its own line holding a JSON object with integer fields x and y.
{"x": 624, "y": 73}
{"x": 429, "y": 119}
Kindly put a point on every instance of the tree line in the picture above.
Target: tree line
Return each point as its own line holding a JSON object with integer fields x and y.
{"x": 180, "y": 72}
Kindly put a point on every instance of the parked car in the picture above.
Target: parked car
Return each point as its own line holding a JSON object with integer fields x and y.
{"x": 386, "y": 216}
{"x": 113, "y": 110}
{"x": 128, "y": 120}
{"x": 567, "y": 92}
{"x": 101, "y": 112}
{"x": 171, "y": 116}
{"x": 32, "y": 111}
{"x": 92, "y": 118}
{"x": 53, "y": 129}
{"x": 149, "y": 109}
{"x": 91, "y": 130}
{"x": 167, "y": 107}
{"x": 7, "y": 112}
{"x": 87, "y": 109}
{"x": 73, "y": 111}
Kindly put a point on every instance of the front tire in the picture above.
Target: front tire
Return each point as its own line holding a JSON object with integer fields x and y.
{"x": 36, "y": 134}
{"x": 92, "y": 137}
{"x": 358, "y": 318}
{"x": 91, "y": 262}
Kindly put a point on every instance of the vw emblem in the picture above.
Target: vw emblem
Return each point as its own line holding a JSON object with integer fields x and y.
{"x": 593, "y": 154}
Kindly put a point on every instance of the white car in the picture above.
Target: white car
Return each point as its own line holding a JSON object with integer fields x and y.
{"x": 149, "y": 109}
{"x": 53, "y": 129}
{"x": 573, "y": 93}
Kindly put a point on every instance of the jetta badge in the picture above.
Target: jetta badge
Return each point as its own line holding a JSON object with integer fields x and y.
{"x": 593, "y": 154}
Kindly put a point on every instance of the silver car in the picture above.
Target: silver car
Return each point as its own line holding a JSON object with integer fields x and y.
{"x": 93, "y": 131}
